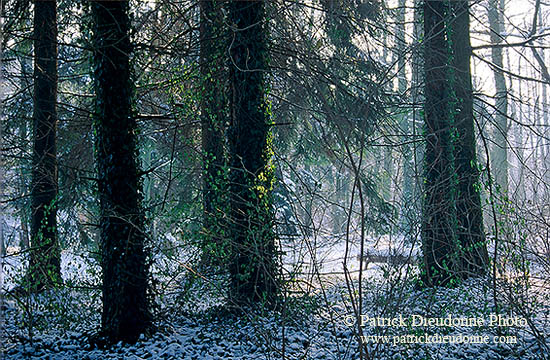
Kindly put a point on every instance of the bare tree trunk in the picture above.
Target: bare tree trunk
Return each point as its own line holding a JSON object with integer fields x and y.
{"x": 407, "y": 208}
{"x": 24, "y": 242}
{"x": 417, "y": 100}
{"x": 516, "y": 112}
{"x": 2, "y": 243}
{"x": 499, "y": 159}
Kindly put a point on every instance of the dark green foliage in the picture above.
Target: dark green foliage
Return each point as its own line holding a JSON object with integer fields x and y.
{"x": 44, "y": 265}
{"x": 126, "y": 312}
{"x": 253, "y": 265}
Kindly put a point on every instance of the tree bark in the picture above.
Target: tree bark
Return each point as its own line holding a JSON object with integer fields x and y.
{"x": 499, "y": 157}
{"x": 471, "y": 236}
{"x": 407, "y": 208}
{"x": 213, "y": 118}
{"x": 439, "y": 238}
{"x": 126, "y": 312}
{"x": 253, "y": 267}
{"x": 44, "y": 263}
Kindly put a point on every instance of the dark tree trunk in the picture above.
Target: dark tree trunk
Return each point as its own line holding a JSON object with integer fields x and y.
{"x": 126, "y": 312}
{"x": 253, "y": 266}
{"x": 439, "y": 236}
{"x": 468, "y": 200}
{"x": 213, "y": 118}
{"x": 44, "y": 265}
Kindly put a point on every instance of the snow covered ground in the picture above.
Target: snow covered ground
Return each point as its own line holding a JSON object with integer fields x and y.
{"x": 316, "y": 321}
{"x": 318, "y": 326}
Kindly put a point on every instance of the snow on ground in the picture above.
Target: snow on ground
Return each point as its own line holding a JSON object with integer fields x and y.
{"x": 314, "y": 327}
{"x": 328, "y": 254}
{"x": 75, "y": 267}
{"x": 193, "y": 324}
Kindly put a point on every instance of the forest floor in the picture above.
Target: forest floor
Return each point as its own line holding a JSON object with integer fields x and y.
{"x": 314, "y": 324}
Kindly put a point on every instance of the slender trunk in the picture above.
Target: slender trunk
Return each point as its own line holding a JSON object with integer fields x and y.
{"x": 521, "y": 142}
{"x": 517, "y": 133}
{"x": 253, "y": 267}
{"x": 2, "y": 243}
{"x": 44, "y": 264}
{"x": 24, "y": 242}
{"x": 408, "y": 163}
{"x": 213, "y": 117}
{"x": 308, "y": 201}
{"x": 499, "y": 159}
{"x": 339, "y": 201}
{"x": 126, "y": 312}
{"x": 417, "y": 119}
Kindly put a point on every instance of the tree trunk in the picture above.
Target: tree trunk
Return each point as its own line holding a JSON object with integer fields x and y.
{"x": 24, "y": 241}
{"x": 213, "y": 116}
{"x": 309, "y": 192}
{"x": 499, "y": 161}
{"x": 439, "y": 238}
{"x": 338, "y": 217}
{"x": 468, "y": 200}
{"x": 406, "y": 213}
{"x": 2, "y": 243}
{"x": 44, "y": 263}
{"x": 126, "y": 312}
{"x": 253, "y": 267}
{"x": 417, "y": 152}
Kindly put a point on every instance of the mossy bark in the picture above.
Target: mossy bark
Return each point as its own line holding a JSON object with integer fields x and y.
{"x": 452, "y": 225}
{"x": 253, "y": 264}
{"x": 214, "y": 117}
{"x": 44, "y": 265}
{"x": 439, "y": 237}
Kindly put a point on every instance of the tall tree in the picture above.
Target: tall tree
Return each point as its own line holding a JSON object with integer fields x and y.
{"x": 499, "y": 158}
{"x": 453, "y": 237}
{"x": 408, "y": 161}
{"x": 471, "y": 236}
{"x": 126, "y": 312}
{"x": 253, "y": 266}
{"x": 213, "y": 119}
{"x": 44, "y": 264}
{"x": 439, "y": 238}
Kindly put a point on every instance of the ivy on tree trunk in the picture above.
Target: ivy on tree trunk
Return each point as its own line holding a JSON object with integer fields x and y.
{"x": 439, "y": 237}
{"x": 44, "y": 264}
{"x": 214, "y": 116}
{"x": 253, "y": 259}
{"x": 470, "y": 231}
{"x": 453, "y": 239}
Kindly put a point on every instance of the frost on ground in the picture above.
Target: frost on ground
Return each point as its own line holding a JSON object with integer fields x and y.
{"x": 193, "y": 324}
{"x": 316, "y": 320}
